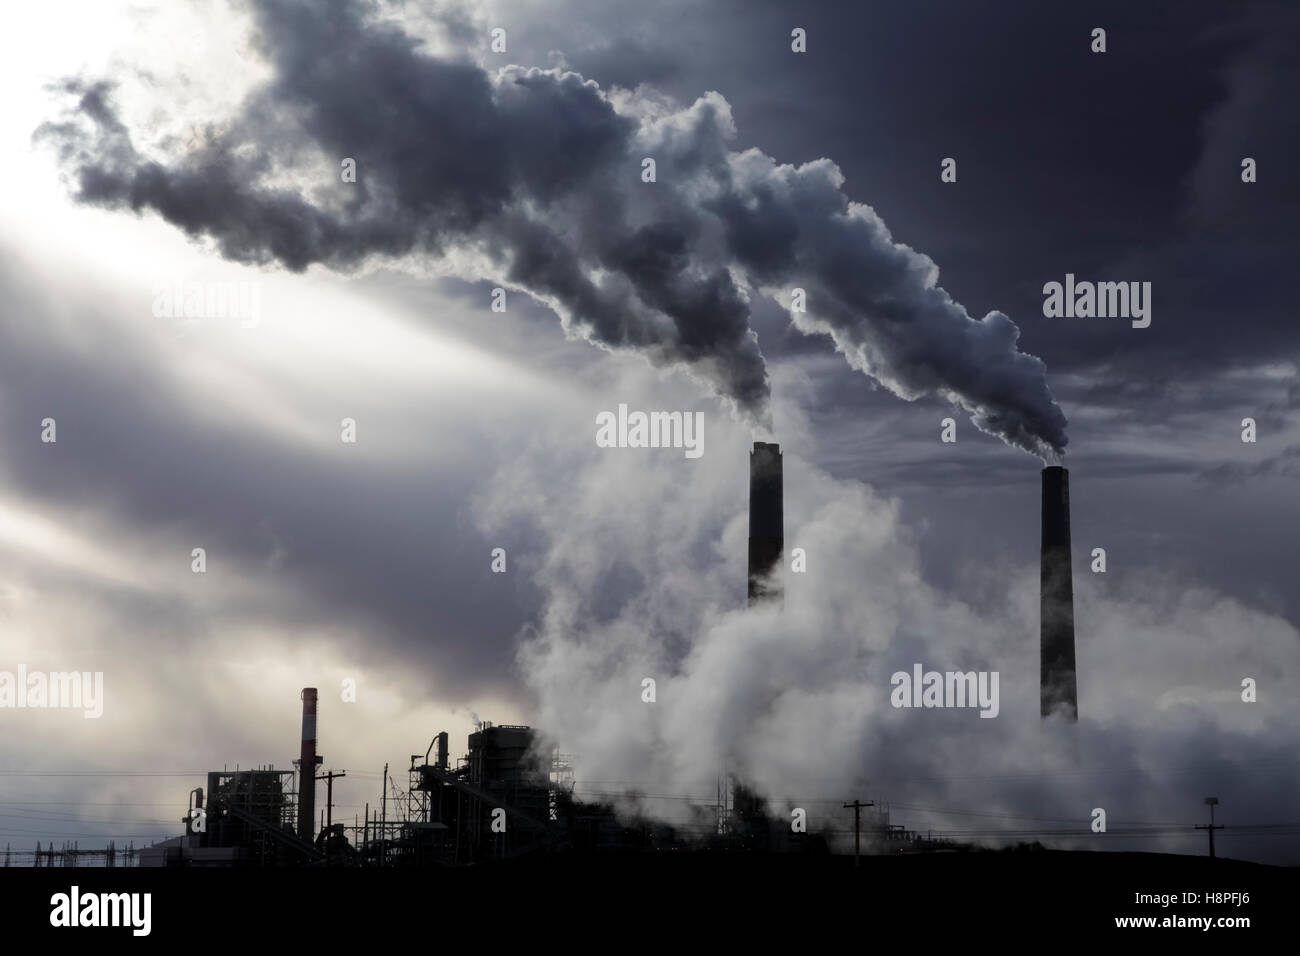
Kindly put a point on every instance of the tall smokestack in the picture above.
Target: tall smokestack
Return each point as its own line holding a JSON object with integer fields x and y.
{"x": 766, "y": 523}
{"x": 307, "y": 769}
{"x": 1058, "y": 690}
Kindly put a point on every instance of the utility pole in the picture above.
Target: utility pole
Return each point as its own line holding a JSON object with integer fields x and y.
{"x": 857, "y": 806}
{"x": 383, "y": 835}
{"x": 329, "y": 793}
{"x": 1211, "y": 802}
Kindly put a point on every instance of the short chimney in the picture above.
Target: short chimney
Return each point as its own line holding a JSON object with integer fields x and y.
{"x": 307, "y": 769}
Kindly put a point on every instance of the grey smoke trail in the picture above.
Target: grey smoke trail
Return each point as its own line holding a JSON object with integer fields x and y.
{"x": 535, "y": 176}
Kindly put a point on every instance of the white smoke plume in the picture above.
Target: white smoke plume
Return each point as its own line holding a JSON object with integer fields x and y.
{"x": 796, "y": 702}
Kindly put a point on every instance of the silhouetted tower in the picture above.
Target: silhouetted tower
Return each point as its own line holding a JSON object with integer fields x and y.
{"x": 307, "y": 769}
{"x": 1058, "y": 689}
{"x": 766, "y": 523}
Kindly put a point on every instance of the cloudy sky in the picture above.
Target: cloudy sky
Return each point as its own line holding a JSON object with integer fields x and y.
{"x": 150, "y": 146}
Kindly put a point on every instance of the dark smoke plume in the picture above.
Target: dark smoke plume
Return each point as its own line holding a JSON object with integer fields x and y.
{"x": 534, "y": 177}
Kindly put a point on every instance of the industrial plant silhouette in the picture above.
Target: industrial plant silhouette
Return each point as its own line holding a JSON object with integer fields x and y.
{"x": 511, "y": 796}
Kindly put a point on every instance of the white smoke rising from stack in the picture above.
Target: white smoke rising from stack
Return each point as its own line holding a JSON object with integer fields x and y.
{"x": 796, "y": 703}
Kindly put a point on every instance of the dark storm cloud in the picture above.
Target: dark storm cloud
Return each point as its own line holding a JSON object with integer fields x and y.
{"x": 539, "y": 171}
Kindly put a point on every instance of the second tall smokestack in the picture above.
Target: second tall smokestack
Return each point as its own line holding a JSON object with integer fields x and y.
{"x": 1058, "y": 689}
{"x": 766, "y": 523}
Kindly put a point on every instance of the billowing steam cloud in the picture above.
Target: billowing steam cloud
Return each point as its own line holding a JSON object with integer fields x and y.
{"x": 796, "y": 702}
{"x": 535, "y": 178}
